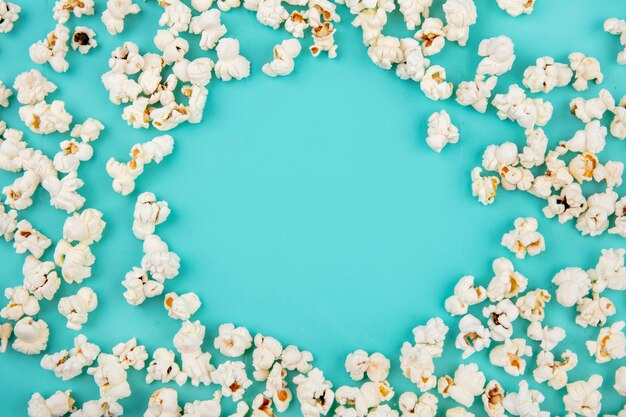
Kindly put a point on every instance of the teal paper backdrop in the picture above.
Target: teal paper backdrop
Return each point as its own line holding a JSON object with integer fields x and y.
{"x": 309, "y": 207}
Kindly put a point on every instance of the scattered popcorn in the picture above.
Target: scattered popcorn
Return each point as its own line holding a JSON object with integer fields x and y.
{"x": 411, "y": 405}
{"x": 76, "y": 308}
{"x": 496, "y": 157}
{"x": 617, "y": 27}
{"x": 432, "y": 36}
{"x": 148, "y": 213}
{"x": 266, "y": 352}
{"x": 11, "y": 148}
{"x": 532, "y": 304}
{"x": 18, "y": 194}
{"x": 359, "y": 362}
{"x": 293, "y": 359}
{"x": 324, "y": 40}
{"x": 595, "y": 220}
{"x": 555, "y": 372}
{"x": 6, "y": 331}
{"x": 571, "y": 203}
{"x": 28, "y": 239}
{"x": 85, "y": 228}
{"x": 207, "y": 408}
{"x": 493, "y": 399}
{"x": 441, "y": 131}
{"x": 610, "y": 344}
{"x": 620, "y": 381}
{"x": 9, "y": 14}
{"x": 232, "y": 341}
{"x": 500, "y": 319}
{"x": 434, "y": 83}
{"x": 63, "y": 8}
{"x": 525, "y": 111}
{"x": 465, "y": 295}
{"x": 314, "y": 393}
{"x": 163, "y": 403}
{"x": 413, "y": 11}
{"x": 460, "y": 15}
{"x": 548, "y": 336}
{"x": 52, "y": 49}
{"x": 196, "y": 364}
{"x": 284, "y": 55}
{"x": 209, "y": 26}
{"x": 130, "y": 354}
{"x": 524, "y": 239}
{"x": 158, "y": 260}
{"x": 44, "y": 118}
{"x": 413, "y": 65}
{"x": 583, "y": 397}
{"x": 473, "y": 336}
{"x": 372, "y": 22}
{"x": 181, "y": 307}
{"x": 484, "y": 188}
{"x": 573, "y": 284}
{"x": 610, "y": 271}
{"x": 510, "y": 356}
{"x": 31, "y": 337}
{"x": 594, "y": 108}
{"x": 546, "y": 74}
{"x": 230, "y": 64}
{"x": 506, "y": 283}
{"x": 498, "y": 56}
{"x": 468, "y": 382}
{"x": 139, "y": 286}
{"x": 242, "y": 407}
{"x": 67, "y": 365}
{"x": 516, "y": 7}
{"x": 70, "y": 156}
{"x": 233, "y": 379}
{"x": 5, "y": 93}
{"x": 115, "y": 13}
{"x": 57, "y": 405}
{"x": 8, "y": 223}
{"x": 63, "y": 194}
{"x": 75, "y": 261}
{"x": 295, "y": 24}
{"x": 592, "y": 139}
{"x": 525, "y": 402}
{"x": 176, "y": 15}
{"x": 84, "y": 39}
{"x": 385, "y": 51}
{"x": 585, "y": 69}
{"x": 88, "y": 131}
{"x": 476, "y": 93}
{"x": 594, "y": 311}
{"x": 164, "y": 368}
{"x": 20, "y": 303}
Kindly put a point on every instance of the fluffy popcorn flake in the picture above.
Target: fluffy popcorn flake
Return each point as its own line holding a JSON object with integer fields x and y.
{"x": 293, "y": 358}
{"x": 67, "y": 365}
{"x": 434, "y": 84}
{"x": 32, "y": 87}
{"x": 40, "y": 278}
{"x": 493, "y": 399}
{"x": 500, "y": 319}
{"x": 472, "y": 337}
{"x": 20, "y": 303}
{"x": 58, "y": 404}
{"x": 28, "y": 239}
{"x": 595, "y": 220}
{"x": 616, "y": 26}
{"x": 359, "y": 363}
{"x": 232, "y": 377}
{"x": 476, "y": 93}
{"x": 267, "y": 351}
{"x": 412, "y": 405}
{"x": 158, "y": 260}
{"x": 468, "y": 382}
{"x": 548, "y": 336}
{"x": 5, "y": 93}
{"x": 83, "y": 39}
{"x": 546, "y": 74}
{"x": 527, "y": 112}
{"x": 573, "y": 284}
{"x": 63, "y": 9}
{"x": 460, "y": 15}
{"x": 510, "y": 356}
{"x": 585, "y": 69}
{"x": 75, "y": 261}
{"x": 230, "y": 63}
{"x": 584, "y": 397}
{"x": 553, "y": 371}
{"x": 484, "y": 187}
{"x": 31, "y": 337}
{"x": 45, "y": 118}
{"x": 594, "y": 311}
{"x": 139, "y": 286}
{"x": 413, "y": 11}
{"x": 324, "y": 40}
{"x": 149, "y": 212}
{"x": 284, "y": 55}
{"x": 181, "y": 307}
{"x": 532, "y": 304}
{"x": 70, "y": 156}
{"x": 176, "y": 15}
{"x": 6, "y": 331}
{"x": 506, "y": 282}
{"x": 465, "y": 295}
{"x": 8, "y": 223}
{"x": 85, "y": 228}
{"x": 610, "y": 344}
{"x": 9, "y": 14}
{"x": 76, "y": 308}
{"x": 591, "y": 139}
{"x": 164, "y": 368}
{"x": 232, "y": 341}
{"x": 371, "y": 22}
{"x": 516, "y": 7}
{"x": 63, "y": 194}
{"x": 498, "y": 56}
{"x": 385, "y": 51}
{"x": 115, "y": 13}
{"x": 53, "y": 49}
{"x": 413, "y": 65}
{"x": 610, "y": 271}
{"x": 525, "y": 402}
{"x": 620, "y": 381}
{"x": 594, "y": 108}
{"x": 441, "y": 131}
{"x": 314, "y": 393}
{"x": 524, "y": 239}
{"x": 431, "y": 35}
{"x": 208, "y": 24}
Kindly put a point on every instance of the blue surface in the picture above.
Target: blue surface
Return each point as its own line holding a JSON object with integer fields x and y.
{"x": 309, "y": 207}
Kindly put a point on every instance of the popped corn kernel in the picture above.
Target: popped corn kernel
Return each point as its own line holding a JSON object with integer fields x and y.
{"x": 70, "y": 156}
{"x": 527, "y": 112}
{"x": 532, "y": 304}
{"x": 595, "y": 220}
{"x": 232, "y": 341}
{"x": 206, "y": 408}
{"x": 84, "y": 39}
{"x": 495, "y": 157}
{"x": 181, "y": 307}
{"x": 130, "y": 354}
{"x": 45, "y": 118}
{"x": 610, "y": 344}
{"x": 76, "y": 308}
{"x": 484, "y": 188}
{"x": 20, "y": 303}
{"x": 594, "y": 108}
{"x": 460, "y": 15}
{"x": 52, "y": 49}
{"x": 9, "y": 14}
{"x": 610, "y": 271}
{"x": 431, "y": 35}
{"x": 385, "y": 51}
{"x": 516, "y": 7}
{"x": 524, "y": 239}
{"x": 546, "y": 74}
{"x": 75, "y": 261}
{"x": 209, "y": 26}
{"x": 569, "y": 204}
{"x": 164, "y": 368}
{"x": 148, "y": 213}
{"x": 5, "y": 93}
{"x": 493, "y": 399}
{"x": 441, "y": 131}
{"x": 434, "y": 83}
{"x": 594, "y": 311}
{"x": 230, "y": 63}
{"x": 115, "y": 13}
{"x": 284, "y": 55}
{"x": 67, "y": 365}
{"x": 31, "y": 337}
{"x": 176, "y": 15}
{"x": 499, "y": 55}
{"x": 468, "y": 382}
{"x": 359, "y": 362}
{"x": 6, "y": 331}
{"x": 293, "y": 359}
{"x": 27, "y": 238}
{"x": 371, "y": 22}
{"x": 323, "y": 39}
{"x": 267, "y": 351}
{"x": 58, "y": 404}
{"x": 472, "y": 337}
{"x": 413, "y": 11}
{"x": 232, "y": 377}
{"x": 85, "y": 228}
{"x": 8, "y": 223}
{"x": 548, "y": 337}
{"x": 139, "y": 286}
{"x": 19, "y": 193}
{"x": 423, "y": 406}
{"x": 32, "y": 87}
{"x": 163, "y": 403}
{"x": 63, "y": 194}
{"x": 296, "y": 23}
{"x": 583, "y": 397}
{"x": 526, "y": 402}
{"x": 500, "y": 319}
{"x": 196, "y": 364}
{"x": 510, "y": 356}
{"x": 573, "y": 284}
{"x": 314, "y": 393}
{"x": 553, "y": 371}
{"x": 620, "y": 381}
{"x": 476, "y": 93}
{"x": 63, "y": 9}
{"x": 585, "y": 69}
{"x": 465, "y": 295}
{"x": 506, "y": 283}
{"x": 158, "y": 260}
{"x": 616, "y": 26}
{"x": 591, "y": 139}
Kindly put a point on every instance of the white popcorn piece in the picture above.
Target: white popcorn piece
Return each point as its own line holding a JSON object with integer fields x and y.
{"x": 434, "y": 83}
{"x": 416, "y": 363}
{"x": 548, "y": 336}
{"x": 130, "y": 354}
{"x": 8, "y": 223}
{"x": 620, "y": 381}
{"x": 527, "y": 112}
{"x": 35, "y": 161}
{"x": 139, "y": 286}
{"x": 271, "y": 13}
{"x": 75, "y": 261}
{"x": 510, "y": 356}
{"x": 385, "y": 51}
{"x": 498, "y": 56}
{"x": 176, "y": 15}
{"x": 121, "y": 89}
{"x": 323, "y": 39}
{"x": 583, "y": 397}
{"x": 6, "y": 331}
{"x": 610, "y": 271}
{"x": 27, "y": 238}
{"x": 164, "y": 368}
{"x": 230, "y": 63}
{"x": 40, "y": 278}
{"x": 460, "y": 15}
{"x": 546, "y": 74}
{"x": 32, "y": 87}
{"x": 371, "y": 22}
{"x": 610, "y": 344}
{"x": 31, "y": 337}
{"x": 111, "y": 377}
{"x": 532, "y": 304}
{"x": 173, "y": 46}
{"x": 495, "y": 157}
{"x": 595, "y": 220}
{"x": 585, "y": 69}
{"x": 20, "y": 303}
{"x": 493, "y": 398}
{"x": 232, "y": 341}
{"x": 571, "y": 203}
{"x": 506, "y": 282}
{"x": 70, "y": 156}
{"x": 441, "y": 131}
{"x": 226, "y": 5}
{"x": 267, "y": 351}
{"x": 5, "y": 93}
{"x": 63, "y": 194}
{"x": 573, "y": 284}
{"x": 209, "y": 26}
{"x": 411, "y": 405}
{"x": 44, "y": 118}
{"x": 12, "y": 148}
{"x": 296, "y": 23}
{"x": 616, "y": 26}
{"x": 76, "y": 308}
{"x": 500, "y": 319}
{"x": 163, "y": 403}
{"x": 196, "y": 364}
{"x": 585, "y": 167}
{"x": 413, "y": 65}
{"x": 468, "y": 382}
{"x": 201, "y": 5}
{"x": 314, "y": 393}
{"x": 207, "y": 408}
{"x": 321, "y": 11}
{"x": 516, "y": 178}
{"x": 458, "y": 412}
{"x": 524, "y": 239}
{"x": 516, "y": 7}
{"x": 115, "y": 13}
{"x": 413, "y": 11}
{"x": 148, "y": 213}
{"x": 553, "y": 371}
{"x": 83, "y": 39}
{"x": 126, "y": 59}
{"x": 525, "y": 403}
{"x": 472, "y": 337}
{"x": 232, "y": 377}
{"x": 67, "y": 365}
{"x": 431, "y": 336}
{"x": 431, "y": 35}
{"x": 618, "y": 124}
{"x": 611, "y": 173}
{"x": 158, "y": 260}
{"x": 484, "y": 188}
{"x": 58, "y": 404}
{"x": 9, "y": 14}
{"x": 476, "y": 93}
{"x": 594, "y": 311}
{"x": 181, "y": 307}
{"x": 465, "y": 295}
{"x": 591, "y": 139}
{"x": 100, "y": 407}
{"x": 284, "y": 55}
{"x": 276, "y": 388}
{"x": 85, "y": 228}
{"x": 293, "y": 359}
{"x": 64, "y": 8}
{"x": 359, "y": 363}
{"x": 52, "y": 49}
{"x": 594, "y": 108}
{"x": 19, "y": 193}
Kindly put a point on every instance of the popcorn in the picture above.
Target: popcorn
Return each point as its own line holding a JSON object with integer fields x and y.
{"x": 173, "y": 47}
{"x": 573, "y": 284}
{"x": 524, "y": 239}
{"x": 359, "y": 362}
{"x": 85, "y": 228}
{"x": 324, "y": 10}
{"x": 372, "y": 22}
{"x": 610, "y": 344}
{"x": 230, "y": 64}
{"x": 493, "y": 399}
{"x": 595, "y": 220}
{"x": 148, "y": 213}
{"x": 548, "y": 336}
{"x": 496, "y": 157}
{"x": 110, "y": 376}
{"x": 416, "y": 363}
{"x": 9, "y": 14}
{"x": 242, "y": 407}
{"x": 555, "y": 372}
{"x": 176, "y": 15}
{"x": 296, "y": 23}
{"x": 63, "y": 195}
{"x": 271, "y": 13}
{"x": 10, "y": 148}
{"x": 266, "y": 352}
{"x": 232, "y": 341}
{"x": 52, "y": 49}
{"x": 20, "y": 303}
{"x": 585, "y": 167}
{"x": 413, "y": 10}
{"x": 501, "y": 317}
{"x": 115, "y": 13}
{"x": 618, "y": 124}
{"x": 546, "y": 74}
{"x": 413, "y": 65}
{"x": 8, "y": 223}
{"x": 620, "y": 381}
{"x": 476, "y": 93}
{"x": 70, "y": 156}
{"x": 465, "y": 295}
{"x": 585, "y": 69}
{"x": 594, "y": 311}
{"x": 498, "y": 56}
{"x": 67, "y": 365}
{"x": 28, "y": 239}
{"x": 484, "y": 188}
{"x": 441, "y": 131}
{"x": 525, "y": 402}
{"x": 385, "y": 51}
{"x": 6, "y": 330}
{"x": 163, "y": 403}
{"x": 525, "y": 111}
{"x": 613, "y": 26}
{"x": 531, "y": 305}
{"x": 83, "y": 39}
{"x": 609, "y": 271}
{"x": 181, "y": 307}
{"x": 158, "y": 260}
{"x": 510, "y": 356}
{"x": 130, "y": 354}
{"x": 473, "y": 336}
{"x": 209, "y": 26}
{"x": 583, "y": 397}
{"x": 314, "y": 393}
{"x": 58, "y": 404}
{"x": 76, "y": 308}
{"x": 323, "y": 39}
{"x": 468, "y": 382}
{"x": 431, "y": 336}
{"x": 164, "y": 368}
{"x": 201, "y": 5}
{"x": 5, "y": 93}
{"x": 44, "y": 118}
{"x": 592, "y": 139}
{"x": 31, "y": 337}
{"x": 411, "y": 405}
{"x": 432, "y": 36}
{"x": 571, "y": 203}
{"x": 207, "y": 408}
{"x": 98, "y": 407}
{"x": 126, "y": 59}
{"x": 506, "y": 283}
{"x": 434, "y": 83}
{"x": 233, "y": 379}
{"x": 460, "y": 15}
{"x": 139, "y": 286}
{"x": 121, "y": 89}
{"x": 458, "y": 412}
{"x": 284, "y": 55}
{"x": 594, "y": 108}
{"x": 292, "y": 359}
{"x": 516, "y": 7}
{"x": 276, "y": 388}
{"x": 75, "y": 261}
{"x": 196, "y": 364}
{"x": 63, "y": 8}
{"x": 18, "y": 195}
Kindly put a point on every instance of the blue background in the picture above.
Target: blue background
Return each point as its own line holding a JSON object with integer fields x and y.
{"x": 309, "y": 207}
